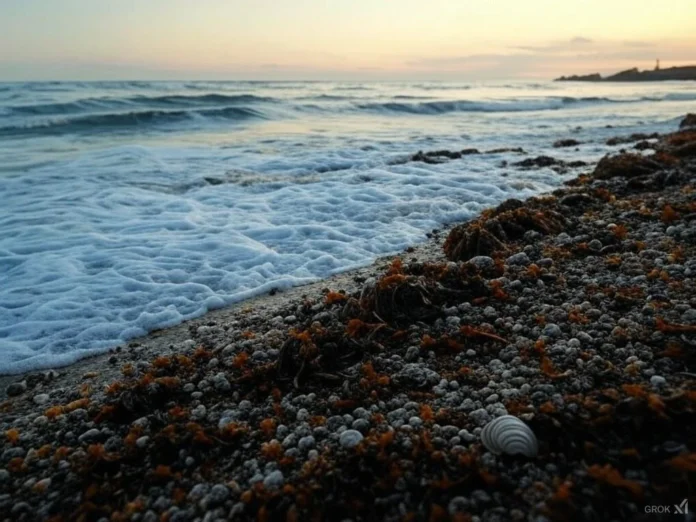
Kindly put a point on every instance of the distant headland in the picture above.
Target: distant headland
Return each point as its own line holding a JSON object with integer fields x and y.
{"x": 634, "y": 75}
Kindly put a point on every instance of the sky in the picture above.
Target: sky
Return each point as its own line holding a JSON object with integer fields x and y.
{"x": 339, "y": 39}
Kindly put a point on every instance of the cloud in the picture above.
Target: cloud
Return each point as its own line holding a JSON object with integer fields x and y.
{"x": 556, "y": 58}
{"x": 559, "y": 46}
{"x": 637, "y": 43}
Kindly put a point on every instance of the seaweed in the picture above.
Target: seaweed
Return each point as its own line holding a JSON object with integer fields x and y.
{"x": 626, "y": 165}
{"x": 490, "y": 234}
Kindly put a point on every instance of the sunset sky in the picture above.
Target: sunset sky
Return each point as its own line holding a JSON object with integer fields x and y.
{"x": 339, "y": 39}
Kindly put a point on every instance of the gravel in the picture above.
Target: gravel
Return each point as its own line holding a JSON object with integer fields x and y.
{"x": 371, "y": 407}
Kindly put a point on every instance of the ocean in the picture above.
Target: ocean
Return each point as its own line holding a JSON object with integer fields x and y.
{"x": 132, "y": 206}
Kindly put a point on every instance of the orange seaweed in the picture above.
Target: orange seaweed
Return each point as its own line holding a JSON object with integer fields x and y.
{"x": 335, "y": 297}
{"x": 669, "y": 215}
{"x": 664, "y": 326}
{"x": 684, "y": 462}
{"x": 613, "y": 477}
{"x": 12, "y": 436}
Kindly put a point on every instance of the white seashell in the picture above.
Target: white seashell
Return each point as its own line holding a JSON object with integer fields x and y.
{"x": 508, "y": 434}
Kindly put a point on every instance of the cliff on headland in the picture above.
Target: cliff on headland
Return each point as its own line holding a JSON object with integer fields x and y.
{"x": 634, "y": 75}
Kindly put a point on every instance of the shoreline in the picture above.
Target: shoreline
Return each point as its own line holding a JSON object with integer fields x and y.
{"x": 429, "y": 250}
{"x": 271, "y": 302}
{"x": 369, "y": 394}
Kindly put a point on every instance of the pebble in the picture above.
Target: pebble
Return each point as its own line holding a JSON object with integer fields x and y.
{"x": 41, "y": 420}
{"x": 584, "y": 337}
{"x": 520, "y": 259}
{"x": 482, "y": 262}
{"x": 350, "y": 438}
{"x": 306, "y": 443}
{"x": 480, "y": 416}
{"x": 92, "y": 435}
{"x": 199, "y": 412}
{"x": 42, "y": 485}
{"x": 362, "y": 425}
{"x": 658, "y": 381}
{"x": 552, "y": 330}
{"x": 274, "y": 480}
{"x": 595, "y": 245}
{"x": 41, "y": 398}
{"x": 689, "y": 317}
{"x": 412, "y": 354}
{"x": 198, "y": 491}
{"x": 220, "y": 382}
{"x": 16, "y": 388}
{"x": 458, "y": 505}
{"x": 218, "y": 494}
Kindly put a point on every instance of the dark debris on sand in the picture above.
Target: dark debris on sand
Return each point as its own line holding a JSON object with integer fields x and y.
{"x": 575, "y": 311}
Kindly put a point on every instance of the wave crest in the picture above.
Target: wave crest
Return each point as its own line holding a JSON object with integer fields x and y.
{"x": 126, "y": 120}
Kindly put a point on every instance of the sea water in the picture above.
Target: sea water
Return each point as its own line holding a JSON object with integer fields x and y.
{"x": 131, "y": 206}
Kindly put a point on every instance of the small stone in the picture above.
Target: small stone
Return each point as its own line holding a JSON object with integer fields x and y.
{"x": 220, "y": 382}
{"x": 142, "y": 422}
{"x": 92, "y": 435}
{"x": 412, "y": 353}
{"x": 350, "y": 438}
{"x": 595, "y": 245}
{"x": 218, "y": 494}
{"x": 492, "y": 398}
{"x": 658, "y": 381}
{"x": 689, "y": 317}
{"x": 520, "y": 259}
{"x": 362, "y": 425}
{"x": 482, "y": 262}
{"x": 453, "y": 321}
{"x": 41, "y": 398}
{"x": 466, "y": 436}
{"x": 42, "y": 485}
{"x": 584, "y": 337}
{"x": 481, "y": 496}
{"x": 198, "y": 492}
{"x": 416, "y": 422}
{"x": 458, "y": 505}
{"x": 141, "y": 442}
{"x": 289, "y": 441}
{"x": 480, "y": 416}
{"x": 552, "y": 330}
{"x": 16, "y": 388}
{"x": 274, "y": 480}
{"x": 490, "y": 313}
{"x": 306, "y": 443}
{"x": 199, "y": 412}
{"x": 12, "y": 453}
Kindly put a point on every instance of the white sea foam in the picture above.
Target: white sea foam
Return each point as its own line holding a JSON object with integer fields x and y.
{"x": 105, "y": 237}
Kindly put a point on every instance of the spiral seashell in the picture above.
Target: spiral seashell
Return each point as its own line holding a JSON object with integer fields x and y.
{"x": 508, "y": 434}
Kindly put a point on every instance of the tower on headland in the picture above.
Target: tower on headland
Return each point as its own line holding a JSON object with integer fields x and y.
{"x": 657, "y": 65}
